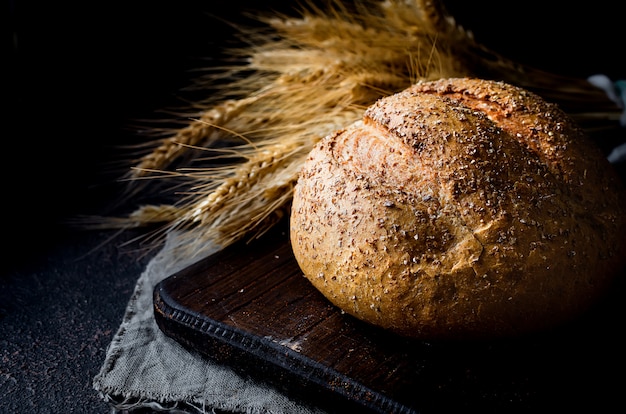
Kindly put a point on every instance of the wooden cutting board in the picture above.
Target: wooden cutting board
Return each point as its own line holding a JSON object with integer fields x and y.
{"x": 250, "y": 307}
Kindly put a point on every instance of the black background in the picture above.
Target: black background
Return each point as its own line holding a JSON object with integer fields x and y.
{"x": 76, "y": 76}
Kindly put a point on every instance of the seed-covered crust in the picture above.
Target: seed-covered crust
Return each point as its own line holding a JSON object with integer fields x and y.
{"x": 459, "y": 208}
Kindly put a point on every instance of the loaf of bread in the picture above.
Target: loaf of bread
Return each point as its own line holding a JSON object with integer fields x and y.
{"x": 460, "y": 208}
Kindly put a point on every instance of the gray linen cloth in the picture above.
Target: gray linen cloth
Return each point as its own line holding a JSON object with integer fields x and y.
{"x": 144, "y": 368}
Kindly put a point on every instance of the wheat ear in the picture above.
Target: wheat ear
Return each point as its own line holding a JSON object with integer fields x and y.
{"x": 258, "y": 191}
{"x": 198, "y": 132}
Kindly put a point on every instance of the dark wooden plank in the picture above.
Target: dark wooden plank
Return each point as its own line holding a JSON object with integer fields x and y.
{"x": 249, "y": 306}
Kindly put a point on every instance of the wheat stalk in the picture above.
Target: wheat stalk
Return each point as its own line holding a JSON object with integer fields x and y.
{"x": 257, "y": 193}
{"x": 198, "y": 132}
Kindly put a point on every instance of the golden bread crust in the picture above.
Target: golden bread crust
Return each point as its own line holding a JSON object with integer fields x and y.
{"x": 459, "y": 208}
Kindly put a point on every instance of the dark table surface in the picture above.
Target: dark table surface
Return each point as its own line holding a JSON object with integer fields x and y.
{"x": 79, "y": 74}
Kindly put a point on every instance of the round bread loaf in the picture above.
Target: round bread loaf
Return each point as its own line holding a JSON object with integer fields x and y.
{"x": 460, "y": 208}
